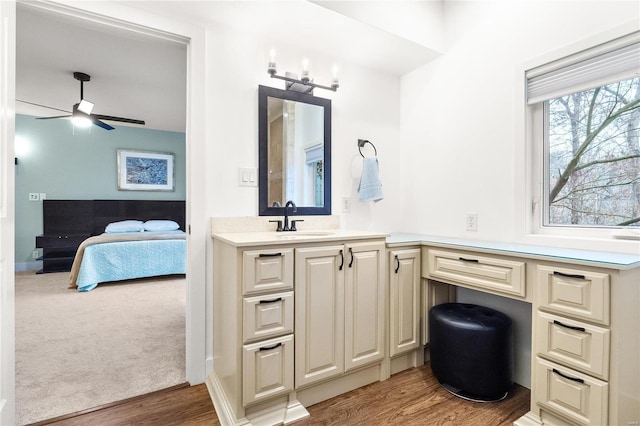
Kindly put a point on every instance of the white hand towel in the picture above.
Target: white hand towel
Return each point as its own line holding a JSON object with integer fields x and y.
{"x": 370, "y": 187}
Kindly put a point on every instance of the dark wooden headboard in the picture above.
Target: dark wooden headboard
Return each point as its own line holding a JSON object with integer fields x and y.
{"x": 92, "y": 216}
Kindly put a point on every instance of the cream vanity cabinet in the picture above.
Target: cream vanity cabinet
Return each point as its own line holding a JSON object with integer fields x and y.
{"x": 291, "y": 315}
{"x": 404, "y": 300}
{"x": 339, "y": 309}
{"x": 573, "y": 344}
{"x": 585, "y": 360}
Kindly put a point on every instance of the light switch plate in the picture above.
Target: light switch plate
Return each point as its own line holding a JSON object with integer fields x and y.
{"x": 247, "y": 176}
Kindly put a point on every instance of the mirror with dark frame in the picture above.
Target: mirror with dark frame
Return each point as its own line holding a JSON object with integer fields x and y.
{"x": 294, "y": 152}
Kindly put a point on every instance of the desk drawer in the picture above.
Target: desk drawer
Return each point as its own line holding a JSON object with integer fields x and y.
{"x": 267, "y": 316}
{"x": 575, "y": 344}
{"x": 267, "y": 270}
{"x": 574, "y": 395}
{"x": 486, "y": 272}
{"x": 576, "y": 293}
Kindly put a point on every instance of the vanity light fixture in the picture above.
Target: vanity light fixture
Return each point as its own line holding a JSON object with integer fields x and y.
{"x": 305, "y": 84}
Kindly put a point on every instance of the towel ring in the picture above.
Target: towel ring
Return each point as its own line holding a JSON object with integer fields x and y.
{"x": 361, "y": 144}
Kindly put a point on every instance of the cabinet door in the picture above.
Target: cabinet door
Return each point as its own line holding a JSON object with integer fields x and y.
{"x": 319, "y": 313}
{"x": 364, "y": 300}
{"x": 404, "y": 300}
{"x": 267, "y": 369}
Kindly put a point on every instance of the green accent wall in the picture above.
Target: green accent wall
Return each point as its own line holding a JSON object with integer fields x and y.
{"x": 68, "y": 163}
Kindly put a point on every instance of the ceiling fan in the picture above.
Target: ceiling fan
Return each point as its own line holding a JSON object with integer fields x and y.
{"x": 81, "y": 112}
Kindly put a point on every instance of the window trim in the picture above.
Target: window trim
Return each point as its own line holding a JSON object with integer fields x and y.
{"x": 529, "y": 167}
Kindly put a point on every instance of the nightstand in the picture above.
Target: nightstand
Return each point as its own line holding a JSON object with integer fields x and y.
{"x": 58, "y": 251}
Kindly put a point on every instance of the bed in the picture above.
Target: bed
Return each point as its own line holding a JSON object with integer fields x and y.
{"x": 119, "y": 257}
{"x": 128, "y": 239}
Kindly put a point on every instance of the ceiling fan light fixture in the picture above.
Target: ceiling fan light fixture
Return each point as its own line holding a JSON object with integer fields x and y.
{"x": 82, "y": 122}
{"x": 79, "y": 118}
{"x": 85, "y": 106}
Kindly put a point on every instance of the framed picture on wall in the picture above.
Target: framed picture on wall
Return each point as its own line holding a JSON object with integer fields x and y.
{"x": 145, "y": 171}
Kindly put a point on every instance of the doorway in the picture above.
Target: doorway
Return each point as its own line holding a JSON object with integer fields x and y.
{"x": 63, "y": 16}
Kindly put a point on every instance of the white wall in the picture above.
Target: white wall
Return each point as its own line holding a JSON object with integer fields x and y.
{"x": 459, "y": 124}
{"x": 365, "y": 106}
{"x": 460, "y": 130}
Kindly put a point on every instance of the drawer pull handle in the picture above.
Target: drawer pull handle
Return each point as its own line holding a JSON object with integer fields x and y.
{"x": 562, "y": 274}
{"x": 567, "y": 377}
{"x": 270, "y": 300}
{"x": 468, "y": 260}
{"x": 268, "y": 348}
{"x": 351, "y": 253}
{"x": 341, "y": 260}
{"x": 397, "y": 264}
{"x": 270, "y": 254}
{"x": 569, "y": 326}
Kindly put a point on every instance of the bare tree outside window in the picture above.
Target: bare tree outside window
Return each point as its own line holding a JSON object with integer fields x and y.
{"x": 593, "y": 157}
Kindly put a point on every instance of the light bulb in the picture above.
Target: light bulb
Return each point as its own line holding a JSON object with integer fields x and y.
{"x": 334, "y": 80}
{"x": 79, "y": 121}
{"x": 271, "y": 68}
{"x": 305, "y": 70}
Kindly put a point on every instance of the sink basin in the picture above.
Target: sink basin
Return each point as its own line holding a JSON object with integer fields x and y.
{"x": 313, "y": 233}
{"x": 300, "y": 234}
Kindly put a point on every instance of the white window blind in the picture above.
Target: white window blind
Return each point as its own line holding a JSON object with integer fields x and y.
{"x": 607, "y": 63}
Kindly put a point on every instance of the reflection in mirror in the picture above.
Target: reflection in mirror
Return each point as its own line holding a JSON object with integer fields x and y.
{"x": 295, "y": 152}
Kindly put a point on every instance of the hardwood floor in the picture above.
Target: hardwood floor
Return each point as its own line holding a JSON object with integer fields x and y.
{"x": 412, "y": 397}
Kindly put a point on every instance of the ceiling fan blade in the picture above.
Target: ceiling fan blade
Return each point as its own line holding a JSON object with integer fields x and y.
{"x": 101, "y": 124}
{"x": 121, "y": 119}
{"x": 57, "y": 116}
{"x": 43, "y": 106}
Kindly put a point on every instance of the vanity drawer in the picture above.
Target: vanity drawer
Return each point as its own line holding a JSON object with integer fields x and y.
{"x": 267, "y": 270}
{"x": 574, "y": 344}
{"x": 578, "y": 294}
{"x": 574, "y": 395}
{"x": 267, "y": 316}
{"x": 486, "y": 272}
{"x": 267, "y": 369}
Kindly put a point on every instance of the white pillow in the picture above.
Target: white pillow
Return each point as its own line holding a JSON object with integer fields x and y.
{"x": 161, "y": 225}
{"x": 125, "y": 226}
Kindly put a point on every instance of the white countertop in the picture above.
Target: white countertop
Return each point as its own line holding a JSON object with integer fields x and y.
{"x": 259, "y": 231}
{"x": 596, "y": 258}
{"x": 243, "y": 239}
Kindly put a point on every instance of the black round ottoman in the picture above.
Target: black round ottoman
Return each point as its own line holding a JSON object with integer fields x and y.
{"x": 471, "y": 350}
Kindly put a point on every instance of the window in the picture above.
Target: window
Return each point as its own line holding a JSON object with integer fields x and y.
{"x": 592, "y": 154}
{"x": 586, "y": 115}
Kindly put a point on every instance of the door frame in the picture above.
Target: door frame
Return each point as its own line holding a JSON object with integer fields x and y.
{"x": 124, "y": 17}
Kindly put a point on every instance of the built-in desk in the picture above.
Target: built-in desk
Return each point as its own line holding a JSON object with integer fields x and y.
{"x": 585, "y": 348}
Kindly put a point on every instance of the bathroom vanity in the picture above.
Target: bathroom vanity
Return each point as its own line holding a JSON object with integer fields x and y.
{"x": 300, "y": 317}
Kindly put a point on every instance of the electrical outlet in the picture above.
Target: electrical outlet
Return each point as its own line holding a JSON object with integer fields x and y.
{"x": 472, "y": 221}
{"x": 346, "y": 204}
{"x": 43, "y": 196}
{"x": 34, "y": 196}
{"x": 35, "y": 254}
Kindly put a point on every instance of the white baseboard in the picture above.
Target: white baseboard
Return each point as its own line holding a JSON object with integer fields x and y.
{"x": 36, "y": 265}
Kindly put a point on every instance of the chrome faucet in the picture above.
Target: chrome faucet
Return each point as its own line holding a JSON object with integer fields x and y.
{"x": 286, "y": 216}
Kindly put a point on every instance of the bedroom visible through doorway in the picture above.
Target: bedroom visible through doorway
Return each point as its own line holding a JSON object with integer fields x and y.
{"x": 48, "y": 292}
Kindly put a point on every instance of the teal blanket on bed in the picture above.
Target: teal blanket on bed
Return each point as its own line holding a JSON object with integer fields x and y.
{"x": 130, "y": 259}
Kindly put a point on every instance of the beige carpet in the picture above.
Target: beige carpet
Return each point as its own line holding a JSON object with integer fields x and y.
{"x": 80, "y": 350}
